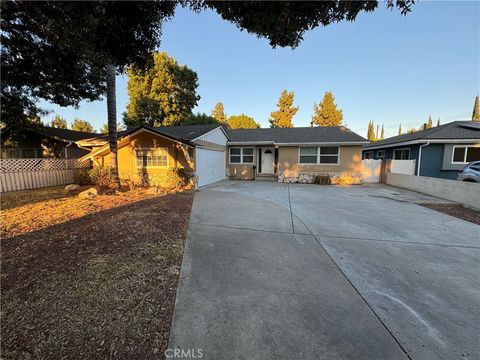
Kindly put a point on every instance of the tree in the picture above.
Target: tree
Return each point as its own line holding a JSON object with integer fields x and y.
{"x": 242, "y": 122}
{"x": 326, "y": 113}
{"x": 104, "y": 129}
{"x": 218, "y": 113}
{"x": 82, "y": 125}
{"x": 400, "y": 129}
{"x": 382, "y": 133}
{"x": 282, "y": 118}
{"x": 429, "y": 122}
{"x": 476, "y": 110}
{"x": 59, "y": 122}
{"x": 199, "y": 119}
{"x": 371, "y": 131}
{"x": 161, "y": 95}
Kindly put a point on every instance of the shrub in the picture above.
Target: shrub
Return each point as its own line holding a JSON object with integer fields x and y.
{"x": 82, "y": 177}
{"x": 322, "y": 180}
{"x": 174, "y": 179}
{"x": 102, "y": 176}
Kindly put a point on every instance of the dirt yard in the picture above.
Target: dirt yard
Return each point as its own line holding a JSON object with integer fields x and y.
{"x": 92, "y": 279}
{"x": 458, "y": 211}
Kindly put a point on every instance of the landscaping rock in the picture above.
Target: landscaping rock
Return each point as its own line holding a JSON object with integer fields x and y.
{"x": 88, "y": 194}
{"x": 72, "y": 187}
{"x": 155, "y": 190}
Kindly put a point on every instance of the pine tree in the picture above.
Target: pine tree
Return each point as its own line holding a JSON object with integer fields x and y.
{"x": 429, "y": 122}
{"x": 438, "y": 122}
{"x": 476, "y": 110}
{"x": 400, "y": 129}
{"x": 326, "y": 113}
{"x": 282, "y": 118}
{"x": 382, "y": 133}
{"x": 59, "y": 122}
{"x": 218, "y": 113}
{"x": 82, "y": 125}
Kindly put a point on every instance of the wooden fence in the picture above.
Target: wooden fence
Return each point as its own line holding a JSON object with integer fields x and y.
{"x": 23, "y": 174}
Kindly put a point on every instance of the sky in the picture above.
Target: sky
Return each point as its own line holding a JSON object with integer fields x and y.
{"x": 385, "y": 67}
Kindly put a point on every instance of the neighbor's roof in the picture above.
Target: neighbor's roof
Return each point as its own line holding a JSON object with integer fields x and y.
{"x": 65, "y": 135}
{"x": 456, "y": 130}
{"x": 296, "y": 135}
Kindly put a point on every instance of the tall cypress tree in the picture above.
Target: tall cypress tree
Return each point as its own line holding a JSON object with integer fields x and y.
{"x": 382, "y": 133}
{"x": 400, "y": 129}
{"x": 476, "y": 110}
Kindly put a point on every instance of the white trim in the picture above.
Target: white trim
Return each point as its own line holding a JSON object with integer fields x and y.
{"x": 420, "y": 156}
{"x": 306, "y": 144}
{"x": 318, "y": 156}
{"x": 209, "y": 148}
{"x": 466, "y": 146}
{"x": 241, "y": 155}
{"x": 404, "y": 148}
{"x": 262, "y": 148}
{"x": 208, "y": 132}
{"x": 240, "y": 143}
{"x": 414, "y": 142}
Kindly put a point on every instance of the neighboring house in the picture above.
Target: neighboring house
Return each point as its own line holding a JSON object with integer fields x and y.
{"x": 213, "y": 153}
{"x": 43, "y": 142}
{"x": 439, "y": 151}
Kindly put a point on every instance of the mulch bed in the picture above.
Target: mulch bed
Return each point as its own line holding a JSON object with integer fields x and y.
{"x": 458, "y": 211}
{"x": 91, "y": 279}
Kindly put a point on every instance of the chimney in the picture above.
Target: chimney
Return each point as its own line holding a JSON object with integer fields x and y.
{"x": 424, "y": 126}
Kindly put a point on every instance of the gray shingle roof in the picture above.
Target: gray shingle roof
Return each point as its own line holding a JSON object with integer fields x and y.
{"x": 334, "y": 134}
{"x": 452, "y": 130}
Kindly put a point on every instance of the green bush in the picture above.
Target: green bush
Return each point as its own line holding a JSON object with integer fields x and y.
{"x": 82, "y": 177}
{"x": 102, "y": 176}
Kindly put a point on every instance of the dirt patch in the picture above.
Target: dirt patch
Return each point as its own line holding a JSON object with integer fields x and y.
{"x": 91, "y": 279}
{"x": 458, "y": 211}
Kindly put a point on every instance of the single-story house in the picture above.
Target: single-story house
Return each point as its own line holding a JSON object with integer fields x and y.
{"x": 43, "y": 142}
{"x": 214, "y": 153}
{"x": 439, "y": 151}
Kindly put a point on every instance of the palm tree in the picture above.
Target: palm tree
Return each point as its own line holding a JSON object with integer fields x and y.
{"x": 112, "y": 120}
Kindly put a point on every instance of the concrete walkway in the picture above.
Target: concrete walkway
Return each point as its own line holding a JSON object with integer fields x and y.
{"x": 276, "y": 271}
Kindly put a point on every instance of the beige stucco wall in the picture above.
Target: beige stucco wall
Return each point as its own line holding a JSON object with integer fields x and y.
{"x": 126, "y": 155}
{"x": 241, "y": 171}
{"x": 350, "y": 161}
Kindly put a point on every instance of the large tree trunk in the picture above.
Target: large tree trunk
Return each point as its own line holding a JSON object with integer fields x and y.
{"x": 112, "y": 120}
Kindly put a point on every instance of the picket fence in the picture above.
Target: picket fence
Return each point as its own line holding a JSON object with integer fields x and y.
{"x": 23, "y": 174}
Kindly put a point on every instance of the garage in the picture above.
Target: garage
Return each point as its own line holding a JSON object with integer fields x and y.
{"x": 210, "y": 165}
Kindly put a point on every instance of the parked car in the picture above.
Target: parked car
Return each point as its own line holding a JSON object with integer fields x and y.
{"x": 471, "y": 172}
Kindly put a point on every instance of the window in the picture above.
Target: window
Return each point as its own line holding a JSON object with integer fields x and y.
{"x": 380, "y": 153}
{"x": 368, "y": 155}
{"x": 241, "y": 155}
{"x": 308, "y": 155}
{"x": 329, "y": 155}
{"x": 152, "y": 157}
{"x": 401, "y": 154}
{"x": 465, "y": 154}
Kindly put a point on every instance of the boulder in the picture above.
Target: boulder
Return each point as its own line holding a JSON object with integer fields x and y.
{"x": 155, "y": 190}
{"x": 72, "y": 187}
{"x": 88, "y": 194}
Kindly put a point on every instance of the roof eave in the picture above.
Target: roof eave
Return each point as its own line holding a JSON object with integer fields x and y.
{"x": 419, "y": 141}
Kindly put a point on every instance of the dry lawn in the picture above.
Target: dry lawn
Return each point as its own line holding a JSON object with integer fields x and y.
{"x": 90, "y": 279}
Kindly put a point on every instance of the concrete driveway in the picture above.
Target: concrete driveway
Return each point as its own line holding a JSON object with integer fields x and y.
{"x": 277, "y": 271}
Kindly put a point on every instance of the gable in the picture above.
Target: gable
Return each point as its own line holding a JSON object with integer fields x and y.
{"x": 216, "y": 136}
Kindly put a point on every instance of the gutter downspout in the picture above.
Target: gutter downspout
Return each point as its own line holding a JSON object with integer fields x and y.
{"x": 420, "y": 156}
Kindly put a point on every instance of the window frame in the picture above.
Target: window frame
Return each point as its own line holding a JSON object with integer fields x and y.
{"x": 151, "y": 166}
{"x": 402, "y": 149}
{"x": 466, "y": 147}
{"x": 365, "y": 155}
{"x": 300, "y": 155}
{"x": 318, "y": 155}
{"x": 241, "y": 155}
{"x": 381, "y": 156}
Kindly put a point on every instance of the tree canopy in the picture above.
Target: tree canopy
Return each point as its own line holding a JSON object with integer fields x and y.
{"x": 199, "y": 119}
{"x": 476, "y": 110}
{"x": 82, "y": 125}
{"x": 161, "y": 95}
{"x": 242, "y": 122}
{"x": 282, "y": 118}
{"x": 218, "y": 113}
{"x": 326, "y": 113}
{"x": 59, "y": 122}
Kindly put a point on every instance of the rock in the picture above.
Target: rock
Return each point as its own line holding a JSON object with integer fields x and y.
{"x": 155, "y": 190}
{"x": 72, "y": 187}
{"x": 88, "y": 194}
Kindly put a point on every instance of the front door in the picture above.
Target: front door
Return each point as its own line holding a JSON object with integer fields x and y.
{"x": 268, "y": 158}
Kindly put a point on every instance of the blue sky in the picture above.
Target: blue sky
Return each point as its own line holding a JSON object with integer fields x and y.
{"x": 383, "y": 67}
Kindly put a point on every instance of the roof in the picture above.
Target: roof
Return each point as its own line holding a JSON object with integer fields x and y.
{"x": 65, "y": 135}
{"x": 320, "y": 134}
{"x": 456, "y": 130}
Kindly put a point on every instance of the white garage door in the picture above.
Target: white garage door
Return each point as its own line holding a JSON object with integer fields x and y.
{"x": 210, "y": 165}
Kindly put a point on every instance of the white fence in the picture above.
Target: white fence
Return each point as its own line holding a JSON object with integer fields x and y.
{"x": 23, "y": 174}
{"x": 463, "y": 192}
{"x": 406, "y": 167}
{"x": 371, "y": 170}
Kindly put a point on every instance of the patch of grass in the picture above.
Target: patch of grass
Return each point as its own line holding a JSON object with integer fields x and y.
{"x": 93, "y": 285}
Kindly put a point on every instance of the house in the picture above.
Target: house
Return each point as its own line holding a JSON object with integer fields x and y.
{"x": 439, "y": 151}
{"x": 214, "y": 153}
{"x": 43, "y": 142}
